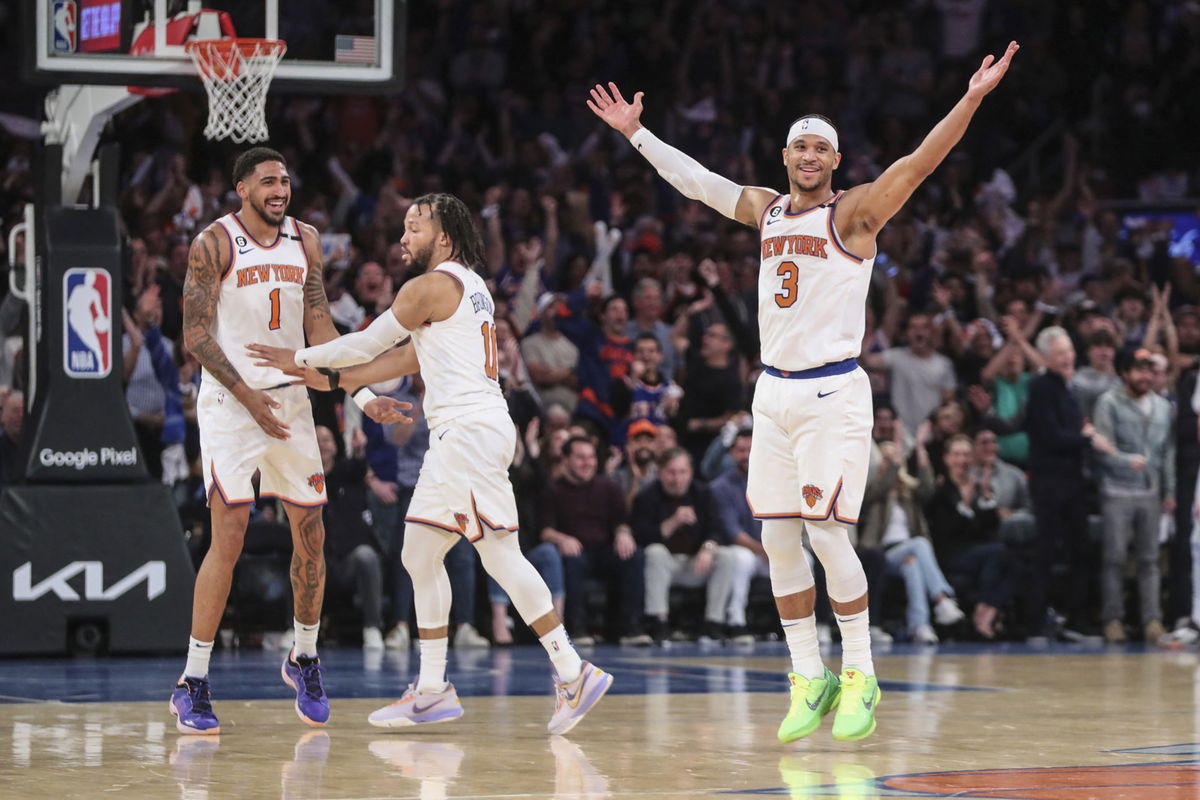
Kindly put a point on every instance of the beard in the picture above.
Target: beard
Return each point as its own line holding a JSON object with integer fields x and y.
{"x": 806, "y": 182}
{"x": 420, "y": 259}
{"x": 269, "y": 216}
{"x": 643, "y": 457}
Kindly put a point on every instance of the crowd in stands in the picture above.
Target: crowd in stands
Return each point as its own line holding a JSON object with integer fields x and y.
{"x": 1033, "y": 351}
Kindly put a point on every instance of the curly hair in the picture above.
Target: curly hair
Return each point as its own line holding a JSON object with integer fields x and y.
{"x": 456, "y": 222}
{"x": 246, "y": 162}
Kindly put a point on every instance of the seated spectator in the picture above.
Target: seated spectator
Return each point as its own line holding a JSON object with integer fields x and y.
{"x": 945, "y": 422}
{"x": 892, "y": 519}
{"x": 745, "y": 534}
{"x": 1137, "y": 485}
{"x": 584, "y": 517}
{"x": 551, "y": 358}
{"x": 964, "y": 524}
{"x": 639, "y": 468}
{"x": 353, "y": 555}
{"x": 1009, "y": 489}
{"x": 12, "y": 422}
{"x": 675, "y": 521}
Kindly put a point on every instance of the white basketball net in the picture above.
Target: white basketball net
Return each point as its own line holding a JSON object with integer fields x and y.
{"x": 236, "y": 75}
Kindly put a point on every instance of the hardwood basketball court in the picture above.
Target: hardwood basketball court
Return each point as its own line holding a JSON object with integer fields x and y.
{"x": 680, "y": 722}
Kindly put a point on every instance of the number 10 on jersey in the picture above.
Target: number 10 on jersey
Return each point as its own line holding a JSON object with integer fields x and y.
{"x": 491, "y": 365}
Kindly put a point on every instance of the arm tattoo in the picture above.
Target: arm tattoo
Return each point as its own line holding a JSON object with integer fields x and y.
{"x": 201, "y": 289}
{"x": 318, "y": 321}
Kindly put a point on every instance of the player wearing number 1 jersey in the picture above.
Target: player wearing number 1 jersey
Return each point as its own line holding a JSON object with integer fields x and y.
{"x": 463, "y": 488}
{"x": 812, "y": 402}
{"x": 255, "y": 275}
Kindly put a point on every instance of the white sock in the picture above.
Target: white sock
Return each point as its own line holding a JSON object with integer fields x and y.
{"x": 306, "y": 638}
{"x": 802, "y": 643}
{"x": 197, "y": 659}
{"x": 567, "y": 662}
{"x": 433, "y": 665}
{"x": 856, "y": 641}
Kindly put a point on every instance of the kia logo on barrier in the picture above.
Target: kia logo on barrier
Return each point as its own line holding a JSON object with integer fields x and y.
{"x": 154, "y": 573}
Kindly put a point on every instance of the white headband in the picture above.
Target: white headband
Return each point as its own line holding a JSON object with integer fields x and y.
{"x": 811, "y": 126}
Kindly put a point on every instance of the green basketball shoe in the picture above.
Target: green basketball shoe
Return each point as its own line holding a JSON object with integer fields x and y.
{"x": 811, "y": 700}
{"x": 856, "y": 715}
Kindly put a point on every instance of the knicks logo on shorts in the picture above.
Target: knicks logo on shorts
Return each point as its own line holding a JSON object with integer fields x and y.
{"x": 461, "y": 520}
{"x": 811, "y": 494}
{"x": 317, "y": 482}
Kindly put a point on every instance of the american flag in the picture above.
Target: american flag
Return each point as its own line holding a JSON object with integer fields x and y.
{"x": 354, "y": 50}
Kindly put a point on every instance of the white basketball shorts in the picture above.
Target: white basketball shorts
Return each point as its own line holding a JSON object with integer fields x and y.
{"x": 233, "y": 446}
{"x": 811, "y": 447}
{"x": 463, "y": 486}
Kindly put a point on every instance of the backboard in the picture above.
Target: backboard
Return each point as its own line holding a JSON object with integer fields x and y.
{"x": 333, "y": 46}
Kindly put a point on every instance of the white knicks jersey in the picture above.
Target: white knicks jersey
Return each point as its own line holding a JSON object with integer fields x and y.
{"x": 261, "y": 299}
{"x": 812, "y": 293}
{"x": 458, "y": 357}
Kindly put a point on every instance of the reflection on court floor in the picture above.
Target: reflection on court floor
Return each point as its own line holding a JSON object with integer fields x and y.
{"x": 681, "y": 722}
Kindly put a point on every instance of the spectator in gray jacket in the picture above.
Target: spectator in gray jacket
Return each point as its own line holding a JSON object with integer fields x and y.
{"x": 744, "y": 531}
{"x": 1009, "y": 488}
{"x": 1098, "y": 376}
{"x": 1137, "y": 484}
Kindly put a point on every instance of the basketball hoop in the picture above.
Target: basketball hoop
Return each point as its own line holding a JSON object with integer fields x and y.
{"x": 236, "y": 75}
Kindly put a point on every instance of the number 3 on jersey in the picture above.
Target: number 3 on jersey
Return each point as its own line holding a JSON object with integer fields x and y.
{"x": 491, "y": 366}
{"x": 790, "y": 274}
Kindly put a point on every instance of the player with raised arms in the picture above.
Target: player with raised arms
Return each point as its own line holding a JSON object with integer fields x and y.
{"x": 812, "y": 403}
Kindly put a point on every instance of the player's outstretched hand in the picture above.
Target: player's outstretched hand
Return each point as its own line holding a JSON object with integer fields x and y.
{"x": 610, "y": 106}
{"x": 311, "y": 377}
{"x": 279, "y": 357}
{"x": 386, "y": 411}
{"x": 261, "y": 406}
{"x": 989, "y": 73}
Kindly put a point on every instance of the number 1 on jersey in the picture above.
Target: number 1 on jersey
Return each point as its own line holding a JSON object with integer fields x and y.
{"x": 274, "y": 324}
{"x": 491, "y": 366}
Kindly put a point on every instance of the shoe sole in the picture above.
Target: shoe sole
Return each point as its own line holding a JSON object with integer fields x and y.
{"x": 405, "y": 722}
{"x": 857, "y": 736}
{"x": 579, "y": 716}
{"x": 287, "y": 679}
{"x": 184, "y": 729}
{"x": 837, "y": 698}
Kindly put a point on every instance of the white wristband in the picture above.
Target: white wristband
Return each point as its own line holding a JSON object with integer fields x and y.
{"x": 361, "y": 396}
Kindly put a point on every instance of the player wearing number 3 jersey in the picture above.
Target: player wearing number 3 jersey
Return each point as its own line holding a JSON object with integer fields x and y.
{"x": 443, "y": 322}
{"x": 812, "y": 402}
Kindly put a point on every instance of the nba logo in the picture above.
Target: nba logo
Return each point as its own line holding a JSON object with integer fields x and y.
{"x": 64, "y": 26}
{"x": 87, "y": 323}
